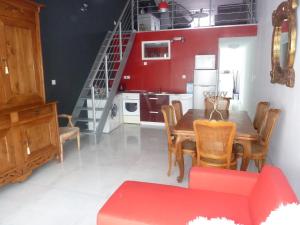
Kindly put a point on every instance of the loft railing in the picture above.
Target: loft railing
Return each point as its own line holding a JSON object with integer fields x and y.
{"x": 192, "y": 14}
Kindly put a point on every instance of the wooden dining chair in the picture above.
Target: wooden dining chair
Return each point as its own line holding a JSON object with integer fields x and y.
{"x": 188, "y": 147}
{"x": 260, "y": 148}
{"x": 178, "y": 110}
{"x": 68, "y": 132}
{"x": 260, "y": 115}
{"x": 214, "y": 140}
{"x": 222, "y": 103}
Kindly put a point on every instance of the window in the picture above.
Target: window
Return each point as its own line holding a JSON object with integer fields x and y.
{"x": 156, "y": 50}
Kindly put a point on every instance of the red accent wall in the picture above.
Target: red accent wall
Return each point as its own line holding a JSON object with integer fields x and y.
{"x": 166, "y": 75}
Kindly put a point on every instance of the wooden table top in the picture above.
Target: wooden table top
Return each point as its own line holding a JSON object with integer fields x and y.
{"x": 245, "y": 129}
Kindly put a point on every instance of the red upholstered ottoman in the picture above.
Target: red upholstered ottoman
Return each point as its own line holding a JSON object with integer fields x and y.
{"x": 243, "y": 197}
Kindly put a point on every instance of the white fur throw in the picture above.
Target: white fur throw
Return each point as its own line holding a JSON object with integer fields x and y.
{"x": 284, "y": 215}
{"x": 214, "y": 221}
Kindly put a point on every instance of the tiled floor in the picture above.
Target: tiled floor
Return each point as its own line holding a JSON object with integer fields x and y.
{"x": 71, "y": 193}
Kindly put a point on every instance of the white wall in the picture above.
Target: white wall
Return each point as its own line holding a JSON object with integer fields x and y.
{"x": 285, "y": 145}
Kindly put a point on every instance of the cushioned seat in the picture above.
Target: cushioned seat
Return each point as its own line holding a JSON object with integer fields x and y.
{"x": 66, "y": 132}
{"x": 162, "y": 204}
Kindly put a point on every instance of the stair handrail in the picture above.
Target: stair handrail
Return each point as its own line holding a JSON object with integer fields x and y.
{"x": 113, "y": 33}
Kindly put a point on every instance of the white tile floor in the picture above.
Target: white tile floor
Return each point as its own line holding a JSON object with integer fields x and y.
{"x": 71, "y": 193}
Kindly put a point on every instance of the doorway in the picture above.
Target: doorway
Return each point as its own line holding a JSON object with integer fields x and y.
{"x": 236, "y": 69}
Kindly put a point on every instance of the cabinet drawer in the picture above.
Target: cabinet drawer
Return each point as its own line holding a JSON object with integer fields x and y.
{"x": 35, "y": 112}
{"x": 151, "y": 107}
{"x": 154, "y": 102}
{"x": 157, "y": 101}
{"x": 152, "y": 116}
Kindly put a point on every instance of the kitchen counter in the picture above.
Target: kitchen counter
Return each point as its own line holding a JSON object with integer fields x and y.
{"x": 154, "y": 93}
{"x": 149, "y": 104}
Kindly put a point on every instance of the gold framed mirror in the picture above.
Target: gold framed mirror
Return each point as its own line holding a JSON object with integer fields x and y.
{"x": 284, "y": 43}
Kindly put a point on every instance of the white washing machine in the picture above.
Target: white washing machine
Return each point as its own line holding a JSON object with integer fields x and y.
{"x": 114, "y": 119}
{"x": 131, "y": 108}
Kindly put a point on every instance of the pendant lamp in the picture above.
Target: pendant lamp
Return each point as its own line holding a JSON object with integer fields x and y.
{"x": 163, "y": 6}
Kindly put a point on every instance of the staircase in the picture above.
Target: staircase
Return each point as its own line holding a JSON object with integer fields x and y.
{"x": 96, "y": 98}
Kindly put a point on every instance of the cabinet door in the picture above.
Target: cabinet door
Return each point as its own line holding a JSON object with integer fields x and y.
{"x": 4, "y": 81}
{"x": 7, "y": 153}
{"x": 40, "y": 141}
{"x": 21, "y": 73}
{"x": 150, "y": 107}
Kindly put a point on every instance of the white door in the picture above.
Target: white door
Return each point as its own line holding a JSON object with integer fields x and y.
{"x": 226, "y": 84}
{"x": 199, "y": 95}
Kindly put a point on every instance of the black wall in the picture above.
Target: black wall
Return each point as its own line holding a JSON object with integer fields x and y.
{"x": 70, "y": 41}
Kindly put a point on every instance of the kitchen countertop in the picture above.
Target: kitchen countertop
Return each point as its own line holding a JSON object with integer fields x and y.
{"x": 153, "y": 93}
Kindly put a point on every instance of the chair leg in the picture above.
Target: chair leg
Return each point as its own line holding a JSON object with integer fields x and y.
{"x": 261, "y": 164}
{"x": 257, "y": 163}
{"x": 194, "y": 160}
{"x": 170, "y": 162}
{"x": 61, "y": 152}
{"x": 78, "y": 141}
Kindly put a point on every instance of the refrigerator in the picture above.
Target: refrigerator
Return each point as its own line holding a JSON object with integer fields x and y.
{"x": 205, "y": 78}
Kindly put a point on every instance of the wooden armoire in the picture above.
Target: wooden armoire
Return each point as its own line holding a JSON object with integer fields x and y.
{"x": 28, "y": 125}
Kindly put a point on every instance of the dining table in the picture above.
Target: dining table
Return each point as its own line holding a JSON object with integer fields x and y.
{"x": 245, "y": 133}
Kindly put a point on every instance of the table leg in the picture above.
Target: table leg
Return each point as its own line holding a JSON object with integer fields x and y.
{"x": 246, "y": 154}
{"x": 179, "y": 158}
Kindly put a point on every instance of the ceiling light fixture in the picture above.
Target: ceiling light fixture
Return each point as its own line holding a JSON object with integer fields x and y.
{"x": 163, "y": 6}
{"x": 84, "y": 7}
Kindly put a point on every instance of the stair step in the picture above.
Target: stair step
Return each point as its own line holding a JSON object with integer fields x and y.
{"x": 123, "y": 45}
{"x": 91, "y": 98}
{"x": 90, "y": 109}
{"x": 80, "y": 119}
{"x": 124, "y": 38}
{"x": 108, "y": 70}
{"x": 114, "y": 53}
{"x": 117, "y": 61}
{"x": 100, "y": 79}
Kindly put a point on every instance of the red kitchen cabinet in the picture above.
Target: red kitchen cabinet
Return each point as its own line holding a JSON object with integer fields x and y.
{"x": 150, "y": 107}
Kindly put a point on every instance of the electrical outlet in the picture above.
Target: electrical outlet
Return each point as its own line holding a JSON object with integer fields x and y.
{"x": 127, "y": 77}
{"x": 53, "y": 82}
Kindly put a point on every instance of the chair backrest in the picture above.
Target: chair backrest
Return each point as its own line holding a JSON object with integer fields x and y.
{"x": 223, "y": 103}
{"x": 269, "y": 124}
{"x": 168, "y": 113}
{"x": 260, "y": 115}
{"x": 214, "y": 141}
{"x": 69, "y": 119}
{"x": 178, "y": 110}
